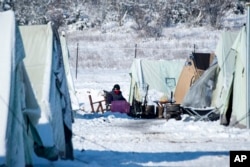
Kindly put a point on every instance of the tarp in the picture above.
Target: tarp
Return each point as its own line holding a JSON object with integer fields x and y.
{"x": 194, "y": 68}
{"x": 199, "y": 94}
{"x": 159, "y": 75}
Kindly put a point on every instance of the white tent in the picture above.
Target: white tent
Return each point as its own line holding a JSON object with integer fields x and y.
{"x": 9, "y": 63}
{"x": 19, "y": 110}
{"x": 70, "y": 82}
{"x": 231, "y": 85}
{"x": 226, "y": 62}
{"x": 160, "y": 75}
{"x": 45, "y": 69}
{"x": 36, "y": 114}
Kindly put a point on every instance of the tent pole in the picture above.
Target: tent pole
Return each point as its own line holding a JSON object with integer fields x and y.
{"x": 248, "y": 65}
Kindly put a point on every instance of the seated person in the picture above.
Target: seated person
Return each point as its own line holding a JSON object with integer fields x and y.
{"x": 117, "y": 101}
{"x": 114, "y": 95}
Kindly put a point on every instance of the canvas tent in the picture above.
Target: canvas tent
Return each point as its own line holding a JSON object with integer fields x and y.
{"x": 70, "y": 82}
{"x": 36, "y": 115}
{"x": 231, "y": 86}
{"x": 11, "y": 128}
{"x": 19, "y": 108}
{"x": 45, "y": 69}
{"x": 160, "y": 76}
{"x": 223, "y": 85}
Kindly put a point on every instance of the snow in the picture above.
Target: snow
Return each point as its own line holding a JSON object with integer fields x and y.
{"x": 115, "y": 139}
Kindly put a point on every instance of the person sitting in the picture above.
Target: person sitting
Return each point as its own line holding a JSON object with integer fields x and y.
{"x": 116, "y": 93}
{"x": 116, "y": 99}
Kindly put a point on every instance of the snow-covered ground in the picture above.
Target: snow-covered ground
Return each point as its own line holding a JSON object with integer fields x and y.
{"x": 115, "y": 139}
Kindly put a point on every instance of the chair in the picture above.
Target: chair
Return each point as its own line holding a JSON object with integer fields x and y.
{"x": 202, "y": 114}
{"x": 99, "y": 105}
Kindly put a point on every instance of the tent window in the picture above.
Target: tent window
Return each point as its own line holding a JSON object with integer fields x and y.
{"x": 171, "y": 83}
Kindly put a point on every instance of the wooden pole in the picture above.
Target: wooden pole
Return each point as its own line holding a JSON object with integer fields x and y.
{"x": 77, "y": 59}
{"x": 135, "y": 50}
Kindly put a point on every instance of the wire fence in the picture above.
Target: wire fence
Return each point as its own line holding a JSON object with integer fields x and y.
{"x": 122, "y": 57}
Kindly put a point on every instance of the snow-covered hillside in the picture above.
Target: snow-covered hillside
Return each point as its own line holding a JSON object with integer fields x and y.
{"x": 112, "y": 45}
{"x": 117, "y": 46}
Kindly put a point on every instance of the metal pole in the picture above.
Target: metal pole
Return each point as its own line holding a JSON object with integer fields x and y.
{"x": 135, "y": 50}
{"x": 76, "y": 59}
{"x": 248, "y": 66}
